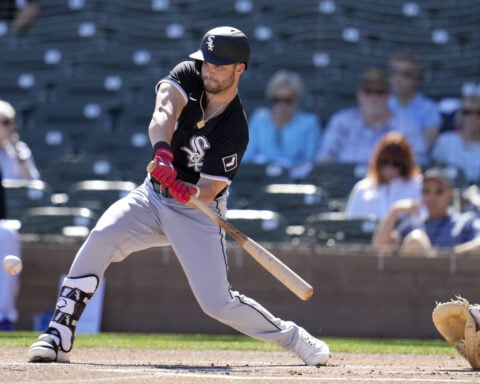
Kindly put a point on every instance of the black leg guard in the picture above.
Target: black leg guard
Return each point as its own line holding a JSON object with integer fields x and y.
{"x": 74, "y": 296}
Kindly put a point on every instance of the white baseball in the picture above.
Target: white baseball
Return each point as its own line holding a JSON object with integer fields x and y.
{"x": 12, "y": 264}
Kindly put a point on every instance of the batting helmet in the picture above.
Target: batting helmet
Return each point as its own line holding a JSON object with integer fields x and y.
{"x": 223, "y": 46}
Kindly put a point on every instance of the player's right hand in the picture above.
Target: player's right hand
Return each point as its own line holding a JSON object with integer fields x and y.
{"x": 164, "y": 172}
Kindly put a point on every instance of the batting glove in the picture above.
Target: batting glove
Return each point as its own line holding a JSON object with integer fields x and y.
{"x": 164, "y": 172}
{"x": 181, "y": 191}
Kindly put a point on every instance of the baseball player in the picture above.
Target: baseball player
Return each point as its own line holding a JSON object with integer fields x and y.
{"x": 199, "y": 133}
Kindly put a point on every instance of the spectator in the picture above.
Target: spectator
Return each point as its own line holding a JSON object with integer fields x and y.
{"x": 9, "y": 285}
{"x": 392, "y": 175}
{"x": 284, "y": 134}
{"x": 16, "y": 160}
{"x": 352, "y": 133}
{"x": 21, "y": 14}
{"x": 461, "y": 148}
{"x": 406, "y": 70}
{"x": 430, "y": 224}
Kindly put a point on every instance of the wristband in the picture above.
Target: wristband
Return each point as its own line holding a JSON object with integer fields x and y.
{"x": 161, "y": 144}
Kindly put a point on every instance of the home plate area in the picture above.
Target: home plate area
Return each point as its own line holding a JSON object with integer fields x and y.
{"x": 94, "y": 365}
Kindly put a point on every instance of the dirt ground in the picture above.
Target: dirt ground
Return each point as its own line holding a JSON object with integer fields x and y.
{"x": 116, "y": 366}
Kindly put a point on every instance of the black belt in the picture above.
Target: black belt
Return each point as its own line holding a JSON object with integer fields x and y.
{"x": 157, "y": 187}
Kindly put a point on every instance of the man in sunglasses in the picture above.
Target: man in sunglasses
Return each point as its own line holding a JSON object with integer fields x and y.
{"x": 405, "y": 73}
{"x": 353, "y": 133}
{"x": 423, "y": 227}
{"x": 461, "y": 148}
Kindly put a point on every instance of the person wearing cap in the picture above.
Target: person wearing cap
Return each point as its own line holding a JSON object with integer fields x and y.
{"x": 461, "y": 148}
{"x": 199, "y": 134}
{"x": 405, "y": 73}
{"x": 422, "y": 227}
{"x": 353, "y": 132}
{"x": 283, "y": 134}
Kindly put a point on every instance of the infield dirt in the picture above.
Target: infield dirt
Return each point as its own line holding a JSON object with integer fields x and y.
{"x": 109, "y": 366}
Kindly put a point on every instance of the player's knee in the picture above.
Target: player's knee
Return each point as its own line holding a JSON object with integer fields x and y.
{"x": 214, "y": 309}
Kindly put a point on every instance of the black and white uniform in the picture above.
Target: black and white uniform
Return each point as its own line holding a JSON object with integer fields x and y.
{"x": 146, "y": 218}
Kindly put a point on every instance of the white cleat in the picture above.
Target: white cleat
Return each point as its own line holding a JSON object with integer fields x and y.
{"x": 475, "y": 311}
{"x": 311, "y": 350}
{"x": 46, "y": 350}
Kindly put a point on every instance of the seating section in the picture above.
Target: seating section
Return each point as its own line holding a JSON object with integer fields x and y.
{"x": 97, "y": 195}
{"x": 52, "y": 220}
{"x": 82, "y": 80}
{"x": 22, "y": 195}
{"x": 260, "y": 225}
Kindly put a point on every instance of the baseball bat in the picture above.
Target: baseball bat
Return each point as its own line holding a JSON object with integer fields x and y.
{"x": 265, "y": 258}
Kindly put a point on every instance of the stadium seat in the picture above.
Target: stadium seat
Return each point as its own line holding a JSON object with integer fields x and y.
{"x": 295, "y": 201}
{"x": 260, "y": 225}
{"x": 250, "y": 177}
{"x": 63, "y": 172}
{"x": 69, "y": 221}
{"x": 337, "y": 179}
{"x": 97, "y": 195}
{"x": 22, "y": 195}
{"x": 333, "y": 228}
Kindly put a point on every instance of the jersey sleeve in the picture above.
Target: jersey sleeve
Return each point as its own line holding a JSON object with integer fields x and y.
{"x": 183, "y": 76}
{"x": 226, "y": 154}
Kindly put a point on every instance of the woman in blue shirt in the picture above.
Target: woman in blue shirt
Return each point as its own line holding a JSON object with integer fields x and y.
{"x": 283, "y": 134}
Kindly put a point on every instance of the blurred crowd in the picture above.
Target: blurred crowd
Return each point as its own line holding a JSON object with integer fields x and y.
{"x": 388, "y": 99}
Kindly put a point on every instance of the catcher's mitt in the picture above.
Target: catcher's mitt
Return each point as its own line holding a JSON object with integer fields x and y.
{"x": 456, "y": 324}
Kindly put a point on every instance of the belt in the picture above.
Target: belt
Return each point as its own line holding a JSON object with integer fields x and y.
{"x": 157, "y": 187}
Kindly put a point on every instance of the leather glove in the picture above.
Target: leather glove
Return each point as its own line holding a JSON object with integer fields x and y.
{"x": 164, "y": 172}
{"x": 181, "y": 191}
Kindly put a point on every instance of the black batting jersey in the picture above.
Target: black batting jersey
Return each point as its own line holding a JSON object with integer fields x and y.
{"x": 214, "y": 151}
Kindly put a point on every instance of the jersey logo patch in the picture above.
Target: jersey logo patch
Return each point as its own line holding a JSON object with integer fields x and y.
{"x": 196, "y": 152}
{"x": 230, "y": 162}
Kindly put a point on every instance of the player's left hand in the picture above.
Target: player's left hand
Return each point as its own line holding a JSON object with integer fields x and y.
{"x": 182, "y": 191}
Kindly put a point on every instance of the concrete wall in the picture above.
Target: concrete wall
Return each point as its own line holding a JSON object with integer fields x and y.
{"x": 357, "y": 293}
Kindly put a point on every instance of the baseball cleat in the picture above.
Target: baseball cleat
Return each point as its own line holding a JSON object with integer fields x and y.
{"x": 311, "y": 350}
{"x": 475, "y": 311}
{"x": 46, "y": 350}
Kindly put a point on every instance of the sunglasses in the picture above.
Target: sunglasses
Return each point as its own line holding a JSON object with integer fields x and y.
{"x": 374, "y": 91}
{"x": 469, "y": 112}
{"x": 407, "y": 74}
{"x": 6, "y": 122}
{"x": 391, "y": 163}
{"x": 282, "y": 100}
{"x": 435, "y": 191}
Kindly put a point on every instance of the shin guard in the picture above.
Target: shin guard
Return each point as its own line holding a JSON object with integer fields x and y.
{"x": 74, "y": 296}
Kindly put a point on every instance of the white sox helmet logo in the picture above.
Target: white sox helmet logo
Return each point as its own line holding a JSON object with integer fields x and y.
{"x": 196, "y": 152}
{"x": 210, "y": 42}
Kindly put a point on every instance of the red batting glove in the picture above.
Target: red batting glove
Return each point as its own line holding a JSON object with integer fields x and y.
{"x": 182, "y": 191}
{"x": 164, "y": 172}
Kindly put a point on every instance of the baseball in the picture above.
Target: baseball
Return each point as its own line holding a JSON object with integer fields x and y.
{"x": 12, "y": 264}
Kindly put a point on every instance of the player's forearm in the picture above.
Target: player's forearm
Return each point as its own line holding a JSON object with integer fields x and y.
{"x": 209, "y": 189}
{"x": 469, "y": 246}
{"x": 383, "y": 234}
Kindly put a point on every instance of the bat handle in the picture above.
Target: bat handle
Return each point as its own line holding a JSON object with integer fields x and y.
{"x": 151, "y": 166}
